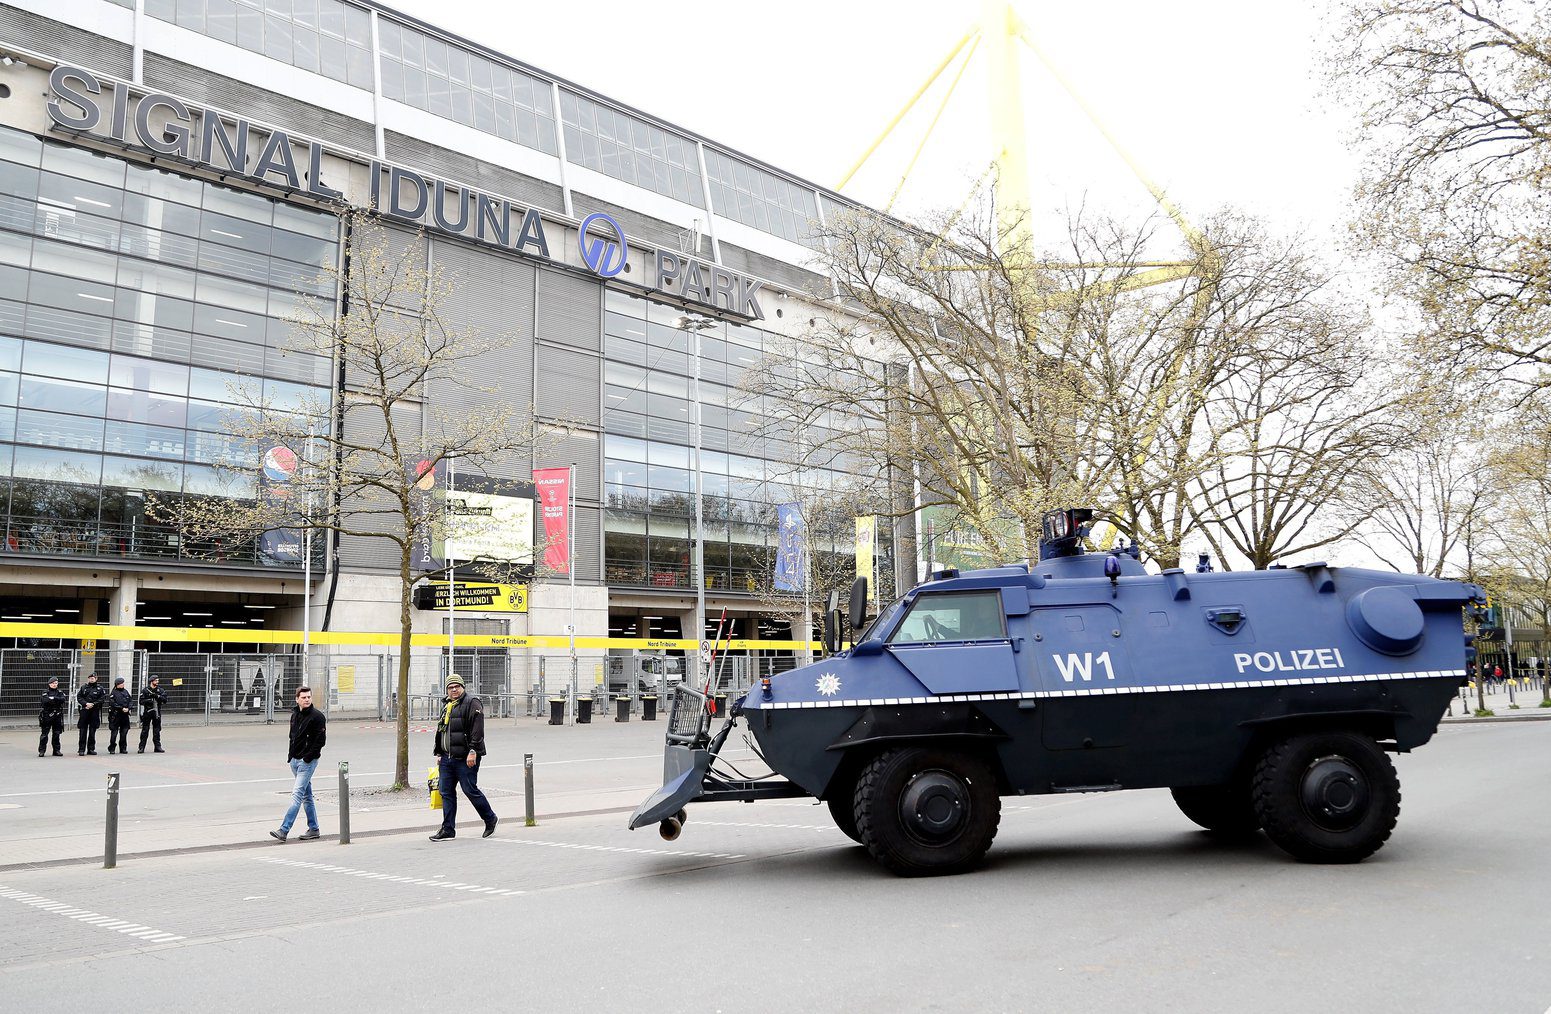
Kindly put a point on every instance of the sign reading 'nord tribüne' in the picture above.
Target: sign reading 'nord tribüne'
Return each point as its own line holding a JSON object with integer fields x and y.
{"x": 164, "y": 124}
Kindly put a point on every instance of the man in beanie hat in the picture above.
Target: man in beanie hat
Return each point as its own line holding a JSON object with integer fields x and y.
{"x": 152, "y": 698}
{"x": 119, "y": 705}
{"x": 460, "y": 743}
{"x": 88, "y": 719}
{"x": 51, "y": 716}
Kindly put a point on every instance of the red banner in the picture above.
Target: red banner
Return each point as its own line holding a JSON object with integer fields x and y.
{"x": 554, "y": 492}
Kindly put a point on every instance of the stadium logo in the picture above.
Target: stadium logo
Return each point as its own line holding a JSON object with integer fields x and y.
{"x": 605, "y": 257}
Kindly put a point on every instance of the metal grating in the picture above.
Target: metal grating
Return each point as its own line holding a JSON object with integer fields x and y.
{"x": 232, "y": 95}
{"x": 460, "y": 168}
{"x": 569, "y": 310}
{"x": 65, "y": 43}
{"x": 568, "y": 385}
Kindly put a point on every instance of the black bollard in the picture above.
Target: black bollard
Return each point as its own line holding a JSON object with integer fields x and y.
{"x": 344, "y": 802}
{"x": 527, "y": 788}
{"x": 110, "y": 837}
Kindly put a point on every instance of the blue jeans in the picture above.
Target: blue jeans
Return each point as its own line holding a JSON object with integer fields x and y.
{"x": 455, "y": 771}
{"x": 301, "y": 795}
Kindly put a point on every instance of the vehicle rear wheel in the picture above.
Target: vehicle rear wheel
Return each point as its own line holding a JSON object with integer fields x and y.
{"x": 1327, "y": 797}
{"x": 1224, "y": 809}
{"x": 923, "y": 811}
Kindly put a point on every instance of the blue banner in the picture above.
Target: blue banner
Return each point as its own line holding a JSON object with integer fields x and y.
{"x": 791, "y": 570}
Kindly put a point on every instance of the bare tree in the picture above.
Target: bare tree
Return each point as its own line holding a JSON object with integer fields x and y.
{"x": 366, "y": 463}
{"x": 1456, "y": 131}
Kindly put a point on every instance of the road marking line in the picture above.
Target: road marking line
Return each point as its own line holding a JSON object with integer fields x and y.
{"x": 620, "y": 848}
{"x": 351, "y": 872}
{"x": 88, "y": 917}
{"x": 739, "y": 823}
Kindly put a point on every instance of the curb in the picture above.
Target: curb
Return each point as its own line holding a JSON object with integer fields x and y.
{"x": 1466, "y": 719}
{"x": 192, "y": 850}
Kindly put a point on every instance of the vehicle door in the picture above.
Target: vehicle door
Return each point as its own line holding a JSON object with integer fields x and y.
{"x": 955, "y": 642}
{"x": 1086, "y": 677}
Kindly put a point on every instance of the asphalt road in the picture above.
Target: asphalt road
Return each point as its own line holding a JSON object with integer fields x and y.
{"x": 1103, "y": 902}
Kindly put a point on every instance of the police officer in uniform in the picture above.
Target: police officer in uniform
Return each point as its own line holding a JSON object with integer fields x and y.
{"x": 152, "y": 697}
{"x": 119, "y": 705}
{"x": 88, "y": 719}
{"x": 51, "y": 716}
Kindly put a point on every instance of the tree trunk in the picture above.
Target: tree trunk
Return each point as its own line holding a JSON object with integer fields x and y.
{"x": 401, "y": 763}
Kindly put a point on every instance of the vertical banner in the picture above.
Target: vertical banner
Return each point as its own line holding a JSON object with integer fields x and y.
{"x": 279, "y": 545}
{"x": 791, "y": 572}
{"x": 425, "y": 476}
{"x": 553, "y": 486}
{"x": 866, "y": 539}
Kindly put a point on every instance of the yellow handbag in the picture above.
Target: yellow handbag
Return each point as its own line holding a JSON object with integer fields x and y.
{"x": 433, "y": 782}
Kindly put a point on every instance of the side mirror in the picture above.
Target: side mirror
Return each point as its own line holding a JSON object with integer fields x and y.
{"x": 858, "y": 611}
{"x": 832, "y": 631}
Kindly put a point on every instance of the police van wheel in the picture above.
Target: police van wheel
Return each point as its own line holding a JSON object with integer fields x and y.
{"x": 1330, "y": 797}
{"x": 1223, "y": 809}
{"x": 842, "y": 808}
{"x": 923, "y": 811}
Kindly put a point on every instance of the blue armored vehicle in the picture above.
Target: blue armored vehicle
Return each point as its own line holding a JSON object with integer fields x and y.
{"x": 1261, "y": 699}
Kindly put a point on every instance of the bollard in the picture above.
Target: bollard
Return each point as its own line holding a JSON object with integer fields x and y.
{"x": 344, "y": 802}
{"x": 110, "y": 837}
{"x": 1510, "y": 693}
{"x": 527, "y": 788}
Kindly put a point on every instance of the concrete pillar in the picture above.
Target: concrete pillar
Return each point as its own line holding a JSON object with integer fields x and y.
{"x": 121, "y": 612}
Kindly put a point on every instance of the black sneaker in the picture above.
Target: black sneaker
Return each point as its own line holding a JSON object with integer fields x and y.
{"x": 160, "y": 750}
{"x": 80, "y": 753}
{"x": 311, "y": 834}
{"x": 91, "y": 753}
{"x": 277, "y": 835}
{"x": 40, "y": 753}
{"x": 489, "y": 828}
{"x": 442, "y": 835}
{"x": 142, "y": 750}
{"x": 58, "y": 754}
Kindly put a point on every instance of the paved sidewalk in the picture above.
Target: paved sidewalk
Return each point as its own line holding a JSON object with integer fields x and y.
{"x": 227, "y": 786}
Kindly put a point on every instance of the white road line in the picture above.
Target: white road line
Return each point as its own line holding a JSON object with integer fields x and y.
{"x": 351, "y": 872}
{"x": 740, "y": 823}
{"x": 619, "y": 848}
{"x": 90, "y": 918}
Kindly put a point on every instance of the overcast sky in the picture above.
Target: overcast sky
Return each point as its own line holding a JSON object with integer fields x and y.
{"x": 1218, "y": 100}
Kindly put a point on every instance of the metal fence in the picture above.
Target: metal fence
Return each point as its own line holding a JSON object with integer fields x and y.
{"x": 214, "y": 688}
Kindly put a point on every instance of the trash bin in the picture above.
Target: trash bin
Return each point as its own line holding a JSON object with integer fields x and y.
{"x": 648, "y": 708}
{"x": 621, "y": 709}
{"x": 557, "y": 711}
{"x": 584, "y": 711}
{"x": 721, "y": 705}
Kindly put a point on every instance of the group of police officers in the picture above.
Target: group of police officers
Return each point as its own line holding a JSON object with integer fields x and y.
{"x": 92, "y": 699}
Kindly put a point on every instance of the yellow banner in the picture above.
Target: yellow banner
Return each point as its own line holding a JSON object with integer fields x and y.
{"x": 866, "y": 538}
{"x": 107, "y": 632}
{"x": 475, "y": 596}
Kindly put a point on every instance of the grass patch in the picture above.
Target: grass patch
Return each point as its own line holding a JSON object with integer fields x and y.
{"x": 1484, "y": 712}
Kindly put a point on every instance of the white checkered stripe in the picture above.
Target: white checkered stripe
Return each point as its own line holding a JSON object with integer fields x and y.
{"x": 754, "y": 704}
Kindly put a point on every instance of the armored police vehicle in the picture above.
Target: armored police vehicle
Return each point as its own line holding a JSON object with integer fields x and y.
{"x": 1262, "y": 700}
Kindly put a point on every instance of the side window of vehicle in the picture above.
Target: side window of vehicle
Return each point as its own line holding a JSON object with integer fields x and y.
{"x": 952, "y": 616}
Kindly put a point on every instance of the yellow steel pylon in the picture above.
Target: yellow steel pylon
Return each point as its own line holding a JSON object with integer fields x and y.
{"x": 1000, "y": 30}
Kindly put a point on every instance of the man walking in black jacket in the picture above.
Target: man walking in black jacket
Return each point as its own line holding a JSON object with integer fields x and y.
{"x": 89, "y": 700}
{"x": 460, "y": 743}
{"x": 51, "y": 716}
{"x": 119, "y": 705}
{"x": 309, "y": 730}
{"x": 152, "y": 698}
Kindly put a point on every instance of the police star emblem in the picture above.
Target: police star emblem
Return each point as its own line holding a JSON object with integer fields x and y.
{"x": 828, "y": 684}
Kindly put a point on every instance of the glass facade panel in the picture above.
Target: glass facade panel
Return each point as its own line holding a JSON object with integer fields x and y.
{"x": 301, "y": 33}
{"x": 760, "y": 199}
{"x": 612, "y": 142}
{"x": 131, "y": 276}
{"x": 440, "y": 77}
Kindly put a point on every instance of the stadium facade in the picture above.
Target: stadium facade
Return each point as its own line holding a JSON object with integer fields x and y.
{"x": 171, "y": 179}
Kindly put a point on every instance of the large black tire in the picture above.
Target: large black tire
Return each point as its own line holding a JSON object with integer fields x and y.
{"x": 924, "y": 811}
{"x": 1326, "y": 797}
{"x": 1222, "y": 809}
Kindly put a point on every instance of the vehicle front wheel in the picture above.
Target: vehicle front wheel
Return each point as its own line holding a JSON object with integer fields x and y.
{"x": 1223, "y": 809}
{"x": 842, "y": 807}
{"x": 923, "y": 811}
{"x": 1327, "y": 797}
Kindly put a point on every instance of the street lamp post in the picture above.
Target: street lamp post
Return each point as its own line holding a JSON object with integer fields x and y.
{"x": 697, "y": 325}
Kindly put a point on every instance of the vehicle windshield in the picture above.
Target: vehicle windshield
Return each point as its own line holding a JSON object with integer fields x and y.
{"x": 880, "y": 622}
